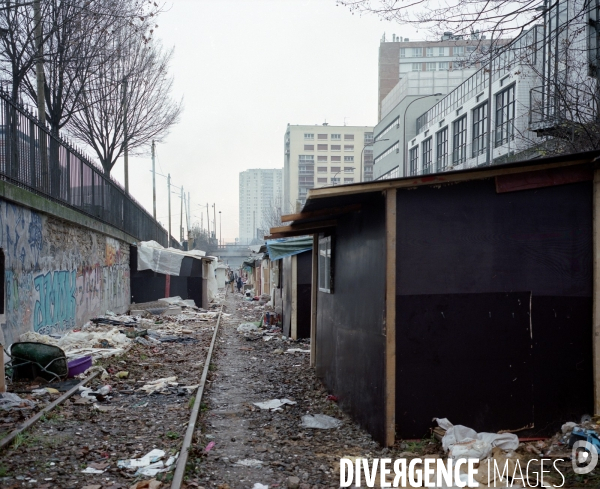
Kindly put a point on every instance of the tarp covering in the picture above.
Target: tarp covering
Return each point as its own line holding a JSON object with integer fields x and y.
{"x": 155, "y": 257}
{"x": 280, "y": 248}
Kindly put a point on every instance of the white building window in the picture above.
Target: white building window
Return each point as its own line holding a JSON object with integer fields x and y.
{"x": 348, "y": 147}
{"x": 336, "y": 136}
{"x": 348, "y": 159}
{"x": 417, "y": 52}
{"x": 458, "y": 51}
{"x": 430, "y": 66}
{"x": 443, "y": 66}
{"x": 402, "y": 52}
{"x": 348, "y": 169}
{"x": 348, "y": 180}
{"x": 429, "y": 52}
{"x": 416, "y": 66}
{"x": 442, "y": 51}
{"x": 309, "y": 136}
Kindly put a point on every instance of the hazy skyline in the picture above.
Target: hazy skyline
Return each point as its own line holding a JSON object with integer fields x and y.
{"x": 245, "y": 69}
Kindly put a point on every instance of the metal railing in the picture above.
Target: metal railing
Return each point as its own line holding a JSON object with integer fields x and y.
{"x": 32, "y": 158}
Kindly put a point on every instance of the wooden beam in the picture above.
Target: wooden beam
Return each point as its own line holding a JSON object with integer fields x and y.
{"x": 596, "y": 292}
{"x": 390, "y": 317}
{"x": 313, "y": 300}
{"x": 434, "y": 179}
{"x": 294, "y": 314}
{"x": 2, "y": 373}
{"x": 320, "y": 213}
{"x": 306, "y": 227}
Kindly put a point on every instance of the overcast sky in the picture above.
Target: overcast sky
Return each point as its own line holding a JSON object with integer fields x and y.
{"x": 245, "y": 69}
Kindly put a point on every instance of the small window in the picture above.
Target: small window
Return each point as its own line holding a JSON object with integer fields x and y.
{"x": 458, "y": 50}
{"x": 349, "y": 169}
{"x": 348, "y": 180}
{"x": 471, "y": 49}
{"x": 336, "y": 137}
{"x": 429, "y": 52}
{"x": 336, "y": 147}
{"x": 322, "y": 147}
{"x": 348, "y": 147}
{"x": 336, "y": 158}
{"x": 413, "y": 157}
{"x": 348, "y": 137}
{"x": 322, "y": 159}
{"x": 335, "y": 169}
{"x": 444, "y": 66}
{"x": 442, "y": 51}
{"x": 309, "y": 147}
{"x": 322, "y": 136}
{"x": 321, "y": 169}
{"x": 417, "y": 52}
{"x": 309, "y": 136}
{"x": 403, "y": 52}
{"x": 322, "y": 180}
{"x": 348, "y": 159}
{"x": 416, "y": 66}
{"x": 430, "y": 66}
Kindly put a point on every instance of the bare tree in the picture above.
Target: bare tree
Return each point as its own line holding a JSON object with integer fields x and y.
{"x": 468, "y": 18}
{"x": 127, "y": 102}
{"x": 271, "y": 215}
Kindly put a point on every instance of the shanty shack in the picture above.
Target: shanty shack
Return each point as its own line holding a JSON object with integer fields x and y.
{"x": 472, "y": 295}
{"x": 296, "y": 279}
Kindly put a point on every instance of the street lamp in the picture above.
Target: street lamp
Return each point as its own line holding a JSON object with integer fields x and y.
{"x": 363, "y": 152}
{"x": 404, "y": 152}
{"x": 220, "y": 240}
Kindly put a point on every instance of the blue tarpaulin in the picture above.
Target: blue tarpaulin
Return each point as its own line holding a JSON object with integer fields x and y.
{"x": 280, "y": 248}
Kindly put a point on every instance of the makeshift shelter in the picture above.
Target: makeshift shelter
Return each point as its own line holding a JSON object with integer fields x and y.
{"x": 296, "y": 282}
{"x": 158, "y": 272}
{"x": 221, "y": 275}
{"x": 468, "y": 294}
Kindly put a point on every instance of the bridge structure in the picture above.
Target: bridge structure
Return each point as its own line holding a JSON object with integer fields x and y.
{"x": 232, "y": 255}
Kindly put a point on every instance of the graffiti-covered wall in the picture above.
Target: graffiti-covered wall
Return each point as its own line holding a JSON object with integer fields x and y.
{"x": 57, "y": 274}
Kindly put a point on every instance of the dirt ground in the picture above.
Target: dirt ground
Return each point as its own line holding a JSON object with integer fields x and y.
{"x": 236, "y": 445}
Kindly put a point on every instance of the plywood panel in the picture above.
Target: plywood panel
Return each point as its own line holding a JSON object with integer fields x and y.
{"x": 465, "y": 357}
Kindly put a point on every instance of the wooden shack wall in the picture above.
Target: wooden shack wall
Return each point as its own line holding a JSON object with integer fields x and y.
{"x": 350, "y": 321}
{"x": 469, "y": 347}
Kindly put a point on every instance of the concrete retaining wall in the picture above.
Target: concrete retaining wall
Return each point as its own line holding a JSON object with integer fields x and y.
{"x": 58, "y": 274}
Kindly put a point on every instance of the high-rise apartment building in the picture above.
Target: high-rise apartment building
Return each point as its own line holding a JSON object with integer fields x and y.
{"x": 402, "y": 56}
{"x": 260, "y": 202}
{"x": 317, "y": 156}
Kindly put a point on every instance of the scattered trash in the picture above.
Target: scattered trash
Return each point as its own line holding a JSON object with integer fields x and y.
{"x": 332, "y": 398}
{"x": 274, "y": 404}
{"x": 79, "y": 365}
{"x": 10, "y": 401}
{"x": 91, "y": 470}
{"x": 470, "y": 444}
{"x": 151, "y": 484}
{"x": 320, "y": 421}
{"x": 103, "y": 409}
{"x": 209, "y": 447}
{"x": 258, "y": 485}
{"x": 250, "y": 462}
{"x": 159, "y": 385}
{"x": 297, "y": 350}
{"x": 247, "y": 327}
{"x": 122, "y": 375}
{"x": 150, "y": 458}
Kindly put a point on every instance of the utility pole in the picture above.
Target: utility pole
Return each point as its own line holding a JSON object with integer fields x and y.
{"x": 189, "y": 213}
{"x": 181, "y": 218}
{"x": 220, "y": 229}
{"x": 169, "y": 188}
{"x": 215, "y": 219}
{"x": 126, "y": 153}
{"x": 208, "y": 222}
{"x": 153, "y": 183}
{"x": 39, "y": 64}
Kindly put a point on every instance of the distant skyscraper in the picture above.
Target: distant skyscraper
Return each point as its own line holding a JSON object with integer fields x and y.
{"x": 260, "y": 202}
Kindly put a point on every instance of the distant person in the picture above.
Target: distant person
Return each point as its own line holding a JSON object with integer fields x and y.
{"x": 232, "y": 281}
{"x": 239, "y": 284}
